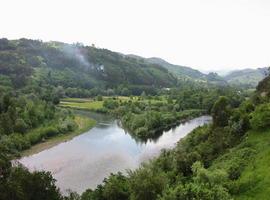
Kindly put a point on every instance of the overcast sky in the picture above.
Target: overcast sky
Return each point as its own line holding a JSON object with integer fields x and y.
{"x": 203, "y": 34}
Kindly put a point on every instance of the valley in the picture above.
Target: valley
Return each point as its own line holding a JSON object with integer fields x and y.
{"x": 91, "y": 124}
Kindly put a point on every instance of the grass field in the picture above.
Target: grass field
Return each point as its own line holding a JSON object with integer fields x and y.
{"x": 94, "y": 105}
{"x": 255, "y": 179}
{"x": 84, "y": 104}
{"x": 84, "y": 124}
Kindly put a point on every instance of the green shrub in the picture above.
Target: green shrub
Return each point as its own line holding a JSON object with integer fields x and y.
{"x": 15, "y": 142}
{"x": 67, "y": 125}
{"x": 101, "y": 110}
{"x": 110, "y": 104}
{"x": 261, "y": 117}
{"x": 50, "y": 131}
{"x": 34, "y": 137}
{"x": 99, "y": 98}
{"x": 20, "y": 126}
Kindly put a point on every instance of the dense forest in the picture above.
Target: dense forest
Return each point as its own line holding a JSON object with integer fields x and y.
{"x": 79, "y": 70}
{"x": 227, "y": 159}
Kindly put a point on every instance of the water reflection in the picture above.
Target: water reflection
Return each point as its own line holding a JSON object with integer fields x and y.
{"x": 86, "y": 160}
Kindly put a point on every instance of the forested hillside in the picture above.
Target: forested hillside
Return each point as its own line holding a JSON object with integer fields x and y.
{"x": 77, "y": 67}
{"x": 185, "y": 73}
{"x": 180, "y": 71}
{"x": 246, "y": 77}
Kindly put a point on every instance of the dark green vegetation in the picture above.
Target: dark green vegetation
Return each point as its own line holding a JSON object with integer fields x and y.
{"x": 180, "y": 71}
{"x": 77, "y": 70}
{"x": 19, "y": 183}
{"x": 28, "y": 116}
{"x": 28, "y": 119}
{"x": 185, "y": 74}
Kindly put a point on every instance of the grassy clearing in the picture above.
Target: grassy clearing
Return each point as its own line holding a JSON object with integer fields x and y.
{"x": 94, "y": 105}
{"x": 255, "y": 180}
{"x": 84, "y": 123}
{"x": 83, "y": 105}
{"x": 253, "y": 157}
{"x": 78, "y": 100}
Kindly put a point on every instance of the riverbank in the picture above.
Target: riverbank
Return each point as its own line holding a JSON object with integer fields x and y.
{"x": 84, "y": 162}
{"x": 143, "y": 118}
{"x": 151, "y": 124}
{"x": 84, "y": 123}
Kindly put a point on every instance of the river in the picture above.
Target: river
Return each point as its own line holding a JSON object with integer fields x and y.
{"x": 87, "y": 159}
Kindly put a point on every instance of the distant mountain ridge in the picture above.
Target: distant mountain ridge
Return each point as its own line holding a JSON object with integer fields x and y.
{"x": 183, "y": 72}
{"x": 246, "y": 77}
{"x": 178, "y": 70}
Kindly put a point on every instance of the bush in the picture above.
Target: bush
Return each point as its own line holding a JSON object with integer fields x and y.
{"x": 110, "y": 104}
{"x": 15, "y": 142}
{"x": 221, "y": 112}
{"x": 20, "y": 126}
{"x": 67, "y": 125}
{"x": 50, "y": 131}
{"x": 147, "y": 184}
{"x": 34, "y": 137}
{"x": 99, "y": 98}
{"x": 261, "y": 117}
{"x": 101, "y": 110}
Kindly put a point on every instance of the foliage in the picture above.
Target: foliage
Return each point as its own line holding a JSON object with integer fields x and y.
{"x": 220, "y": 112}
{"x": 229, "y": 158}
{"x": 77, "y": 67}
{"x": 19, "y": 184}
{"x": 261, "y": 117}
{"x": 205, "y": 185}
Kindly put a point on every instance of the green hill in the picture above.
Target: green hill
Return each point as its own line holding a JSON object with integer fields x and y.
{"x": 184, "y": 73}
{"x": 77, "y": 66}
{"x": 180, "y": 72}
{"x": 246, "y": 77}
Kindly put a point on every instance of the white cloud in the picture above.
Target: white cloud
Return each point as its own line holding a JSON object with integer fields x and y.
{"x": 204, "y": 34}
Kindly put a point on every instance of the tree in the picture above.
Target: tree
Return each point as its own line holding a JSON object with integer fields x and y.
{"x": 99, "y": 98}
{"x": 18, "y": 183}
{"x": 125, "y": 92}
{"x": 221, "y": 112}
{"x": 20, "y": 126}
{"x": 143, "y": 95}
{"x": 116, "y": 187}
{"x": 146, "y": 184}
{"x": 204, "y": 185}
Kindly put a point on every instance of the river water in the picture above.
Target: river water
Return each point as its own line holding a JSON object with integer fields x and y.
{"x": 87, "y": 159}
